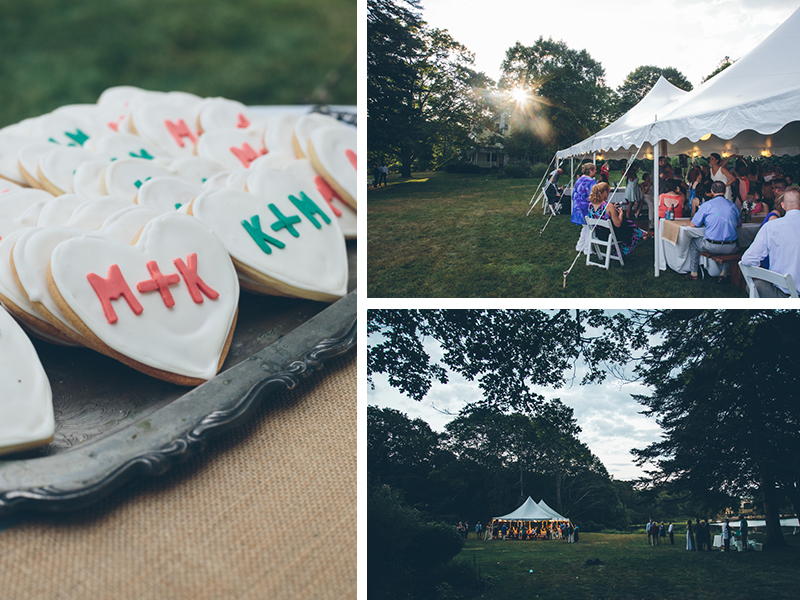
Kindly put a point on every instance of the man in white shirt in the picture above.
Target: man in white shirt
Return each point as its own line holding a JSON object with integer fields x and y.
{"x": 780, "y": 240}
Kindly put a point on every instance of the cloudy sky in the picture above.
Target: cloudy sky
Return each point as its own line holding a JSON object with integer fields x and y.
{"x": 606, "y": 413}
{"x": 691, "y": 35}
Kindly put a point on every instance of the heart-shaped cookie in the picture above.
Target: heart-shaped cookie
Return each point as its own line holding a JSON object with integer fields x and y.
{"x": 283, "y": 236}
{"x": 165, "y": 306}
{"x": 332, "y": 151}
{"x": 26, "y": 403}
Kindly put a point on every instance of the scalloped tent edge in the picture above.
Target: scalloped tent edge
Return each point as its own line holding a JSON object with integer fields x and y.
{"x": 531, "y": 511}
{"x": 751, "y": 108}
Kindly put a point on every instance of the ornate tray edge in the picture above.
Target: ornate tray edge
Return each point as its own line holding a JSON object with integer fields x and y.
{"x": 157, "y": 462}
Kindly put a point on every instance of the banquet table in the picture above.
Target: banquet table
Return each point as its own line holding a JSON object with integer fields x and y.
{"x": 676, "y": 238}
{"x": 268, "y": 510}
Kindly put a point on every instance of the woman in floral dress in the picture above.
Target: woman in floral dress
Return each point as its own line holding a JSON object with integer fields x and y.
{"x": 628, "y": 235}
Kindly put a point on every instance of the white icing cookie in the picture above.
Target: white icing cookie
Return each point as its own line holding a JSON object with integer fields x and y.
{"x": 237, "y": 179}
{"x": 345, "y": 214}
{"x": 56, "y": 168}
{"x": 168, "y": 127}
{"x": 272, "y": 160}
{"x": 232, "y": 148}
{"x": 283, "y": 239}
{"x": 63, "y": 128}
{"x": 28, "y": 159}
{"x": 195, "y": 169}
{"x": 126, "y": 224}
{"x": 219, "y": 180}
{"x": 279, "y": 135}
{"x": 56, "y": 212}
{"x": 9, "y": 186}
{"x": 29, "y": 259}
{"x": 88, "y": 180}
{"x": 332, "y": 151}
{"x": 91, "y": 214}
{"x": 120, "y": 96}
{"x": 166, "y": 306}
{"x": 10, "y": 146}
{"x": 7, "y": 225}
{"x": 121, "y": 145}
{"x": 124, "y": 177}
{"x": 15, "y": 300}
{"x": 221, "y": 113}
{"x": 26, "y": 404}
{"x": 24, "y": 205}
{"x": 167, "y": 194}
{"x": 308, "y": 124}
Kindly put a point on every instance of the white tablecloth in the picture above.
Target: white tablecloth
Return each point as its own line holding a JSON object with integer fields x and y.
{"x": 676, "y": 256}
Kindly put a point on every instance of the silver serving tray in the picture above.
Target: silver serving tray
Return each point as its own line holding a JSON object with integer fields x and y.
{"x": 114, "y": 423}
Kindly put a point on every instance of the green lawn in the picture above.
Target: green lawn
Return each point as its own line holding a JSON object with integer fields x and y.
{"x": 630, "y": 570}
{"x": 254, "y": 51}
{"x": 439, "y": 235}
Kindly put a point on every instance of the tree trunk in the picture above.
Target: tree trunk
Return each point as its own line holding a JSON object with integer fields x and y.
{"x": 771, "y": 512}
{"x": 405, "y": 160}
{"x": 559, "y": 480}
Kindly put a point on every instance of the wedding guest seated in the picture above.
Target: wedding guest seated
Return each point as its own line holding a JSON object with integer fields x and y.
{"x": 778, "y": 186}
{"x": 670, "y": 199}
{"x": 778, "y": 240}
{"x": 721, "y": 219}
{"x": 627, "y": 234}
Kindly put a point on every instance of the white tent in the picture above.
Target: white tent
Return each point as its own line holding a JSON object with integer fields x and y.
{"x": 751, "y": 108}
{"x": 550, "y": 511}
{"x": 529, "y": 511}
{"x": 628, "y": 131}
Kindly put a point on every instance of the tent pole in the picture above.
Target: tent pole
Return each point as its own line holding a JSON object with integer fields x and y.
{"x": 657, "y": 220}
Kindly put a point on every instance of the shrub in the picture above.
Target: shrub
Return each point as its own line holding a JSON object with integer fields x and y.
{"x": 539, "y": 169}
{"x": 519, "y": 169}
{"x": 591, "y": 526}
{"x": 462, "y": 168}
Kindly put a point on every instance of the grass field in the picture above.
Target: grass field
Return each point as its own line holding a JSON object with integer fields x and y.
{"x": 630, "y": 570}
{"x": 439, "y": 235}
{"x": 255, "y": 51}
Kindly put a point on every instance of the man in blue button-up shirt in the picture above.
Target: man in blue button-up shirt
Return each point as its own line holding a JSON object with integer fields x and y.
{"x": 721, "y": 219}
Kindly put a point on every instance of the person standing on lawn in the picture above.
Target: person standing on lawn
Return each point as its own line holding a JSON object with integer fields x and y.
{"x": 662, "y": 534}
{"x": 689, "y": 536}
{"x": 580, "y": 204}
{"x": 726, "y": 535}
{"x": 671, "y": 534}
{"x": 743, "y": 529}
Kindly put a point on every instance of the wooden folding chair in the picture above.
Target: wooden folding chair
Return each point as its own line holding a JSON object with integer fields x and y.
{"x": 772, "y": 277}
{"x": 597, "y": 244}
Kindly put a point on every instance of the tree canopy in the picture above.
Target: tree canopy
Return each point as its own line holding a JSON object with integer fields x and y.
{"x": 638, "y": 84}
{"x": 423, "y": 94}
{"x": 567, "y": 89}
{"x": 725, "y": 392}
{"x": 506, "y": 351}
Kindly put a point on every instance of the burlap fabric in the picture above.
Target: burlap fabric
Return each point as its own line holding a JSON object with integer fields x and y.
{"x": 266, "y": 511}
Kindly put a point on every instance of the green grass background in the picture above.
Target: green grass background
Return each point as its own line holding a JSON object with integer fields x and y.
{"x": 631, "y": 570}
{"x": 254, "y": 51}
{"x": 440, "y": 235}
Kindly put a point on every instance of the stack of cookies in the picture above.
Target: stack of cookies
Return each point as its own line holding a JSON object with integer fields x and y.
{"x": 129, "y": 226}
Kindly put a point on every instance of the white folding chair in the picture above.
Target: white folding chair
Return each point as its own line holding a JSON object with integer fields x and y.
{"x": 596, "y": 244}
{"x": 772, "y": 277}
